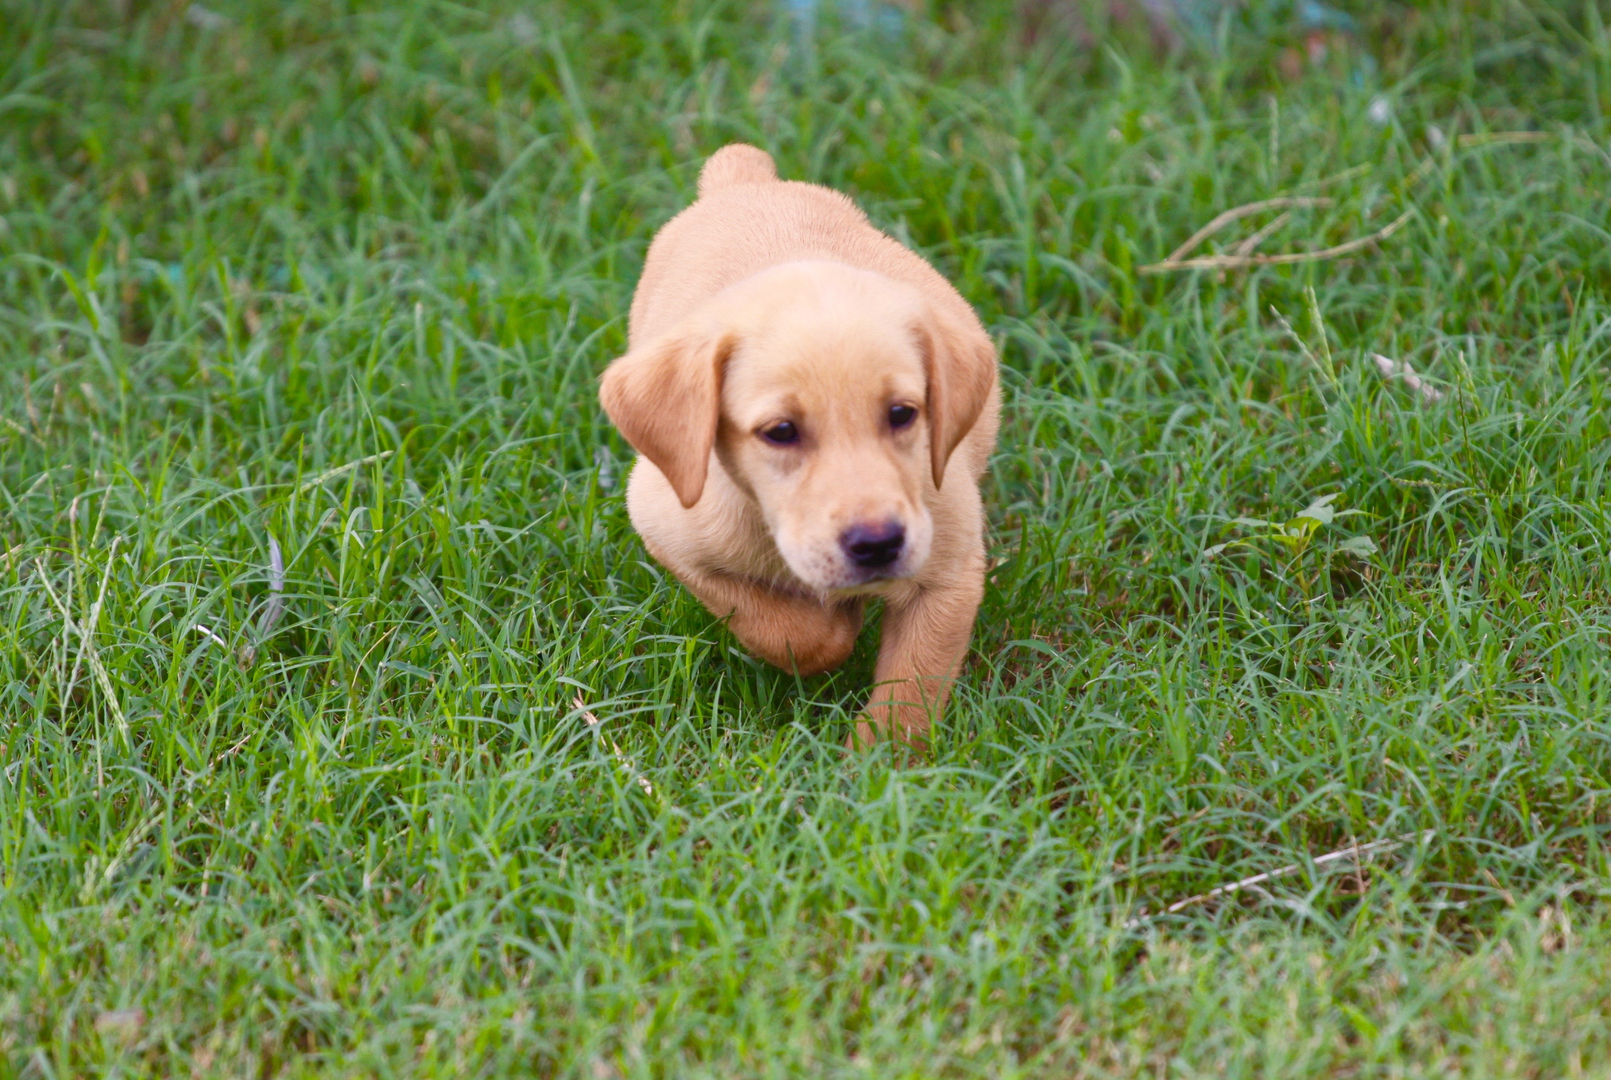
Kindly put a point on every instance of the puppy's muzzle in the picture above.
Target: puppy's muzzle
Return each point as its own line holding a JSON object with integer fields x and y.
{"x": 873, "y": 547}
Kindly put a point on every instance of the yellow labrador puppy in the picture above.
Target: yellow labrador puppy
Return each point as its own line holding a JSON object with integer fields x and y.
{"x": 812, "y": 406}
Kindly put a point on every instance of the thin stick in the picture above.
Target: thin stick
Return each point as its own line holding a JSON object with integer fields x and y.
{"x": 1246, "y": 247}
{"x": 1240, "y": 212}
{"x": 1236, "y": 262}
{"x": 1242, "y": 257}
{"x": 1355, "y": 852}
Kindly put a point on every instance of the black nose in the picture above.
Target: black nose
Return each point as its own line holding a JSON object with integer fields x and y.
{"x": 873, "y": 546}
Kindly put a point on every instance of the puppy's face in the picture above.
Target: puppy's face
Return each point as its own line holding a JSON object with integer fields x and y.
{"x": 823, "y": 424}
{"x": 832, "y": 396}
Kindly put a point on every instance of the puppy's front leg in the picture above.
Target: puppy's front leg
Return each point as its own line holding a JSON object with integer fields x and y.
{"x": 925, "y": 641}
{"x": 795, "y": 633}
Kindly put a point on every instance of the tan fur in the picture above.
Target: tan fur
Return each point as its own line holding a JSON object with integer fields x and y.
{"x": 766, "y": 301}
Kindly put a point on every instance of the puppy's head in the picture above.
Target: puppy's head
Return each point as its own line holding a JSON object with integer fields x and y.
{"x": 832, "y": 396}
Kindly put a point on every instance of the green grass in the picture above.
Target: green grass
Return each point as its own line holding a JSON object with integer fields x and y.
{"x": 343, "y": 275}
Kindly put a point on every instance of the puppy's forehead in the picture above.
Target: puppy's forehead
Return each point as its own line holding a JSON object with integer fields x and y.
{"x": 814, "y": 368}
{"x": 817, "y": 338}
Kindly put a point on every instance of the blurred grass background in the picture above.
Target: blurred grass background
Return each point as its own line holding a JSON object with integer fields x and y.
{"x": 335, "y": 279}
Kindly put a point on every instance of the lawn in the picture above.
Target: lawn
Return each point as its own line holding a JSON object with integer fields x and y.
{"x": 346, "y": 729}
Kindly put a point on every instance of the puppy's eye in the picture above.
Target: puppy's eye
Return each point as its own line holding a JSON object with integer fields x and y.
{"x": 901, "y": 415}
{"x": 782, "y": 433}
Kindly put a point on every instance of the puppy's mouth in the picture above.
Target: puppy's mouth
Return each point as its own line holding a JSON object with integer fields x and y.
{"x": 848, "y": 579}
{"x": 860, "y": 558}
{"x": 835, "y": 578}
{"x": 861, "y": 575}
{"x": 862, "y": 585}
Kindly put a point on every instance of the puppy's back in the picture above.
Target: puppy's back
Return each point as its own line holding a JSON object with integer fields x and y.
{"x": 747, "y": 220}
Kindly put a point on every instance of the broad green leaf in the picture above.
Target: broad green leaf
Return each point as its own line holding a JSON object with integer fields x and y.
{"x": 1320, "y": 511}
{"x": 1358, "y": 545}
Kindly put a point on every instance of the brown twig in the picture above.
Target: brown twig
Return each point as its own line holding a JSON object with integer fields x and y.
{"x": 1247, "y": 247}
{"x": 1235, "y": 262}
{"x": 1243, "y": 257}
{"x": 1240, "y": 212}
{"x": 1356, "y": 852}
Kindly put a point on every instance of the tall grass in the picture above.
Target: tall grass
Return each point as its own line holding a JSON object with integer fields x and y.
{"x": 336, "y": 279}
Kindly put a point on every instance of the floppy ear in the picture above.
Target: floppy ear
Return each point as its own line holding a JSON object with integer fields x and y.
{"x": 664, "y": 397}
{"x": 960, "y": 362}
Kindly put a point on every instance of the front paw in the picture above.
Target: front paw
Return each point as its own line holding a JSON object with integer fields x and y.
{"x": 802, "y": 637}
{"x": 909, "y": 730}
{"x": 830, "y": 648}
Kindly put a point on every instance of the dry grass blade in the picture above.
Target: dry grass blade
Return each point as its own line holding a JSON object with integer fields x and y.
{"x": 96, "y": 667}
{"x": 207, "y": 632}
{"x": 276, "y": 604}
{"x": 1501, "y": 138}
{"x": 342, "y": 470}
{"x": 1238, "y": 213}
{"x": 1398, "y": 369}
{"x": 1235, "y": 262}
{"x": 276, "y": 601}
{"x": 1354, "y": 853}
{"x": 620, "y": 758}
{"x": 87, "y": 626}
